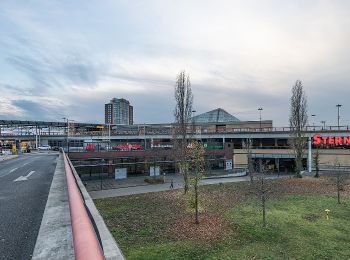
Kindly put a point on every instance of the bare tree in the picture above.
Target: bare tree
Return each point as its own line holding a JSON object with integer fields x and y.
{"x": 297, "y": 121}
{"x": 262, "y": 188}
{"x": 182, "y": 113}
{"x": 250, "y": 161}
{"x": 196, "y": 155}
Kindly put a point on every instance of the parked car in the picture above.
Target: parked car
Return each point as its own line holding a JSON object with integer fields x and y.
{"x": 44, "y": 147}
{"x": 55, "y": 148}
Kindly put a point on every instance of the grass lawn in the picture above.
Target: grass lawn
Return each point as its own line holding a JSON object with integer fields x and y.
{"x": 161, "y": 225}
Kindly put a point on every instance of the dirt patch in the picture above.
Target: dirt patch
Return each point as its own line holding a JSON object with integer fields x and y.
{"x": 209, "y": 227}
{"x": 311, "y": 217}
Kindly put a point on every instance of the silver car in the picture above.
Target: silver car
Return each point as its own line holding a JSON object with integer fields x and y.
{"x": 44, "y": 147}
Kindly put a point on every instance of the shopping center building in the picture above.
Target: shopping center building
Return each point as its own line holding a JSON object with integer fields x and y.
{"x": 223, "y": 135}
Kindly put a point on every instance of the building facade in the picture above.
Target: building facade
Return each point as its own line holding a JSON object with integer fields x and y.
{"x": 119, "y": 112}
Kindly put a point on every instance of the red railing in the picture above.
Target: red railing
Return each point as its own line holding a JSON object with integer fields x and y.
{"x": 86, "y": 245}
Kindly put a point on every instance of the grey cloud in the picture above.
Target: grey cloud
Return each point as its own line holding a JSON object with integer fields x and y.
{"x": 79, "y": 73}
{"x": 143, "y": 79}
{"x": 48, "y": 71}
{"x": 36, "y": 110}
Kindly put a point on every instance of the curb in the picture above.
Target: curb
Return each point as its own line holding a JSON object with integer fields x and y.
{"x": 55, "y": 239}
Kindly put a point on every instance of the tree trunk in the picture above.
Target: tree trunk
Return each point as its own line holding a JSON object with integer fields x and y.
{"x": 196, "y": 202}
{"x": 317, "y": 172}
{"x": 263, "y": 210}
{"x": 299, "y": 164}
{"x": 338, "y": 187}
{"x": 185, "y": 182}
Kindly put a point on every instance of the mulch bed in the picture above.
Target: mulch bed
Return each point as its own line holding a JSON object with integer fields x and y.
{"x": 210, "y": 227}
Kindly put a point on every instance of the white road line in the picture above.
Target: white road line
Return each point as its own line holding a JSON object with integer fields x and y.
{"x": 24, "y": 164}
{"x": 13, "y": 170}
{"x": 20, "y": 178}
{"x": 29, "y": 174}
{"x": 24, "y": 178}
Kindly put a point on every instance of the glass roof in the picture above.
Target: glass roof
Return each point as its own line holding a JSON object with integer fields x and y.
{"x": 215, "y": 116}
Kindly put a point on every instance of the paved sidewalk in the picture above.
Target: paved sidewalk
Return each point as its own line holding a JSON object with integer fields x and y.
{"x": 7, "y": 157}
{"x": 177, "y": 180}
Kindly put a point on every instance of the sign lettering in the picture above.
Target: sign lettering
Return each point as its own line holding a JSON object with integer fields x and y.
{"x": 336, "y": 140}
{"x": 129, "y": 146}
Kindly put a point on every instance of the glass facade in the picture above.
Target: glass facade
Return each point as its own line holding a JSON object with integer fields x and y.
{"x": 215, "y": 116}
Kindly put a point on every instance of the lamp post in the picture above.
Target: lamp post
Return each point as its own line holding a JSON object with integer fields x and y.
{"x": 324, "y": 124}
{"x": 101, "y": 173}
{"x": 313, "y": 121}
{"x": 338, "y": 106}
{"x": 260, "y": 109}
{"x": 193, "y": 127}
{"x": 67, "y": 132}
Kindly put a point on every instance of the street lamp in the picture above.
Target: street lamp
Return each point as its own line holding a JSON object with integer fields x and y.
{"x": 338, "y": 106}
{"x": 193, "y": 127}
{"x": 260, "y": 109}
{"x": 67, "y": 132}
{"x": 313, "y": 121}
{"x": 101, "y": 173}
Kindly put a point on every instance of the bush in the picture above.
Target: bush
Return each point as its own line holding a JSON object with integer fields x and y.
{"x": 155, "y": 179}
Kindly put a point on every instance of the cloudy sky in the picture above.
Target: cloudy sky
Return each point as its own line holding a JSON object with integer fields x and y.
{"x": 67, "y": 58}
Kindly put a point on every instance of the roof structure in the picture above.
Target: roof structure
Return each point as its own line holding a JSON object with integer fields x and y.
{"x": 14, "y": 123}
{"x": 218, "y": 115}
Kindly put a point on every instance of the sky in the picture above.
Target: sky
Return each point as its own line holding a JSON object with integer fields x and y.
{"x": 68, "y": 58}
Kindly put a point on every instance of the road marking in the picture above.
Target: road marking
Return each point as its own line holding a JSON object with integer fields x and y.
{"x": 24, "y": 178}
{"x": 13, "y": 170}
{"x": 24, "y": 164}
{"x": 29, "y": 174}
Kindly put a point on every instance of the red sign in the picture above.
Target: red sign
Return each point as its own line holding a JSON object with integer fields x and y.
{"x": 129, "y": 146}
{"x": 337, "y": 140}
{"x": 90, "y": 147}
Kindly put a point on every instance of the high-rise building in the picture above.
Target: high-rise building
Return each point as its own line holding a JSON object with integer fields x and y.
{"x": 119, "y": 112}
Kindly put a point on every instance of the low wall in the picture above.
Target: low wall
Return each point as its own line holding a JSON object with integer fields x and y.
{"x": 327, "y": 156}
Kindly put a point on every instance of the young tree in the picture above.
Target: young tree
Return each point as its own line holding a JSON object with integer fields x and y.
{"x": 250, "y": 161}
{"x": 196, "y": 155}
{"x": 339, "y": 178}
{"x": 261, "y": 188}
{"x": 317, "y": 163}
{"x": 182, "y": 113}
{"x": 297, "y": 123}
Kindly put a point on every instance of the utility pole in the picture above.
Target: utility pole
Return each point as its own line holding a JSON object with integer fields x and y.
{"x": 338, "y": 106}
{"x": 260, "y": 109}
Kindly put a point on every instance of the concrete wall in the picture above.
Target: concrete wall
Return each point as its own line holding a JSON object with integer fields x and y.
{"x": 327, "y": 156}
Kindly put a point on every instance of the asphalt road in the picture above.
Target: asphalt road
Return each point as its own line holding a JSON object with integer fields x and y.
{"x": 24, "y": 186}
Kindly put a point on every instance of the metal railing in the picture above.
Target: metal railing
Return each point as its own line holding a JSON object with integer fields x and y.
{"x": 169, "y": 131}
{"x": 85, "y": 240}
